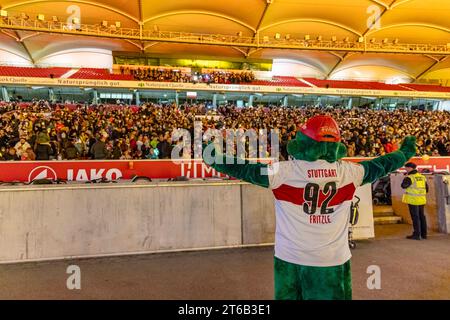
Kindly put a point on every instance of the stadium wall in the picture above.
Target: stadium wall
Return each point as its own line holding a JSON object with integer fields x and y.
{"x": 77, "y": 220}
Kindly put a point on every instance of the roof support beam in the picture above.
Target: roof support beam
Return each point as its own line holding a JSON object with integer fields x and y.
{"x": 260, "y": 22}
{"x": 25, "y": 47}
{"x": 427, "y": 70}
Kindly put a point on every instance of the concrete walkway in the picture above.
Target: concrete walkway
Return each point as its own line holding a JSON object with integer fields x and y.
{"x": 409, "y": 270}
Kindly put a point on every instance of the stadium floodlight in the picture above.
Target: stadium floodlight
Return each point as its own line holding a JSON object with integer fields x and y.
{"x": 40, "y": 17}
{"x": 55, "y": 19}
{"x": 118, "y": 24}
{"x": 334, "y": 38}
{"x": 307, "y": 37}
{"x": 105, "y": 24}
{"x": 361, "y": 39}
{"x": 24, "y": 16}
{"x": 288, "y": 36}
{"x": 319, "y": 38}
{"x": 266, "y": 38}
{"x": 277, "y": 36}
{"x": 385, "y": 40}
{"x": 3, "y": 13}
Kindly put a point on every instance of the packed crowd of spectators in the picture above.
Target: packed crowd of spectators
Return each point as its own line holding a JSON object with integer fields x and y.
{"x": 160, "y": 75}
{"x": 43, "y": 131}
{"x": 173, "y": 75}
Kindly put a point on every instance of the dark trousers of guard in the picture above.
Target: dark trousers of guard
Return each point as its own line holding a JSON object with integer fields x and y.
{"x": 419, "y": 220}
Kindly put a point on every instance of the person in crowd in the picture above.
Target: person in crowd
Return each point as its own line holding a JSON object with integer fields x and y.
{"x": 98, "y": 149}
{"x": 43, "y": 150}
{"x": 21, "y": 146}
{"x": 366, "y": 132}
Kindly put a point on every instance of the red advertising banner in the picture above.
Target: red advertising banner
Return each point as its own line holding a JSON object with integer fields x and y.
{"x": 27, "y": 171}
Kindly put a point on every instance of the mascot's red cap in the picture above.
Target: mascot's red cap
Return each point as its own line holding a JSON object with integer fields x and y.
{"x": 321, "y": 128}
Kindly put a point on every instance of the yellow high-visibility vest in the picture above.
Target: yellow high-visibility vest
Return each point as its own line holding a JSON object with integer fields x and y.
{"x": 416, "y": 193}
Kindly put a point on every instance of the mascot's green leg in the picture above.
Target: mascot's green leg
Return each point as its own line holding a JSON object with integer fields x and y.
{"x": 296, "y": 282}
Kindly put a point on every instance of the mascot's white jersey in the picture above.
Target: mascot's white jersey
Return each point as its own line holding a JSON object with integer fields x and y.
{"x": 312, "y": 204}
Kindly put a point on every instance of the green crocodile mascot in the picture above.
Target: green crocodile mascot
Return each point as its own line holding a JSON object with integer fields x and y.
{"x": 313, "y": 194}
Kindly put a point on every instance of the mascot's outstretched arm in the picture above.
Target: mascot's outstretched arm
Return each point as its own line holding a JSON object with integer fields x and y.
{"x": 248, "y": 172}
{"x": 381, "y": 166}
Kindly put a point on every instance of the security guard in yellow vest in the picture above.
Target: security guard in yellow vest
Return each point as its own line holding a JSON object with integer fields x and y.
{"x": 416, "y": 197}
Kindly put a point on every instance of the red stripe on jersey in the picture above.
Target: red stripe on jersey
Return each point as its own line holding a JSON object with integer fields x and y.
{"x": 296, "y": 195}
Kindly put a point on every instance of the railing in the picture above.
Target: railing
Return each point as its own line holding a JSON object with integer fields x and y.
{"x": 257, "y": 42}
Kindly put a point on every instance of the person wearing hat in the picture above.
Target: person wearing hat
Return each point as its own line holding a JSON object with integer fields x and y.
{"x": 416, "y": 197}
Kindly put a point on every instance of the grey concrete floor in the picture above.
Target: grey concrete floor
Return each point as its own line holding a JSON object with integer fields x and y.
{"x": 409, "y": 270}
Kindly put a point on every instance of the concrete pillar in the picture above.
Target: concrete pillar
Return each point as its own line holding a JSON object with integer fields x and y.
{"x": 350, "y": 103}
{"x": 285, "y": 101}
{"x": 51, "y": 95}
{"x": 177, "y": 98}
{"x": 95, "y": 98}
{"x": 138, "y": 98}
{"x": 250, "y": 100}
{"x": 214, "y": 100}
{"x": 5, "y": 96}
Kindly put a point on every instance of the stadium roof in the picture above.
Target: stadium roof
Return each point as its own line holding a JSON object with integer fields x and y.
{"x": 409, "y": 21}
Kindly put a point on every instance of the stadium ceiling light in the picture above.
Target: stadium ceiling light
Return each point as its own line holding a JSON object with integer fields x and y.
{"x": 24, "y": 16}
{"x": 3, "y": 13}
{"x": 40, "y": 17}
{"x": 307, "y": 37}
{"x": 118, "y": 24}
{"x": 396, "y": 41}
{"x": 385, "y": 40}
{"x": 361, "y": 39}
{"x": 105, "y": 23}
{"x": 266, "y": 38}
{"x": 277, "y": 36}
{"x": 334, "y": 38}
{"x": 55, "y": 19}
{"x": 319, "y": 38}
{"x": 288, "y": 36}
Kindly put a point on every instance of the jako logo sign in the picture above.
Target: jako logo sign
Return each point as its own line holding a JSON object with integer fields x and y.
{"x": 93, "y": 174}
{"x": 42, "y": 173}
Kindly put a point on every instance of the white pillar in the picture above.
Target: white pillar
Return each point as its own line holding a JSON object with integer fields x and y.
{"x": 5, "y": 96}
{"x": 250, "y": 100}
{"x": 350, "y": 103}
{"x": 138, "y": 98}
{"x": 214, "y": 100}
{"x": 51, "y": 95}
{"x": 95, "y": 99}
{"x": 177, "y": 98}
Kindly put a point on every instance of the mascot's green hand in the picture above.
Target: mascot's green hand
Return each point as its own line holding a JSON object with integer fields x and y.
{"x": 254, "y": 173}
{"x": 408, "y": 147}
{"x": 382, "y": 166}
